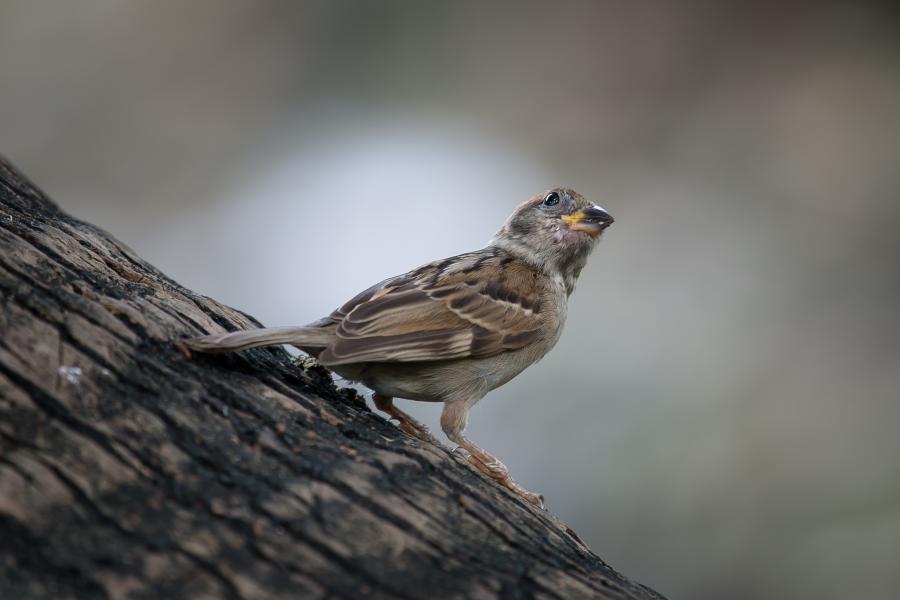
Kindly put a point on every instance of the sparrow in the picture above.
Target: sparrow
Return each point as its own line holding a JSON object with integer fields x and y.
{"x": 452, "y": 330}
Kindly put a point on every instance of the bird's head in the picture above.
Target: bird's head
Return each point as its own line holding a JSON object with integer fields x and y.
{"x": 555, "y": 231}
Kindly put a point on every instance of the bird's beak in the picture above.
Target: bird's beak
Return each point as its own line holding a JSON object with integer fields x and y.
{"x": 591, "y": 220}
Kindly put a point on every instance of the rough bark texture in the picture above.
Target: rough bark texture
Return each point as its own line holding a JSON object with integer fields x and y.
{"x": 128, "y": 470}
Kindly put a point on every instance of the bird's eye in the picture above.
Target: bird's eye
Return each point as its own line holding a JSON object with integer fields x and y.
{"x": 552, "y": 199}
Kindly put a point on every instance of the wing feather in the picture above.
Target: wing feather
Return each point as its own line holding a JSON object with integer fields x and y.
{"x": 474, "y": 305}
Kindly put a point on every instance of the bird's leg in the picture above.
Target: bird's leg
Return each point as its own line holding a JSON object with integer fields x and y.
{"x": 404, "y": 421}
{"x": 453, "y": 422}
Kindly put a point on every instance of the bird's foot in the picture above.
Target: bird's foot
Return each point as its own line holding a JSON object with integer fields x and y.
{"x": 497, "y": 471}
{"x": 416, "y": 429}
{"x": 405, "y": 422}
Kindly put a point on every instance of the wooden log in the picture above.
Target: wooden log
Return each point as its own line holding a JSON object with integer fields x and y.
{"x": 128, "y": 470}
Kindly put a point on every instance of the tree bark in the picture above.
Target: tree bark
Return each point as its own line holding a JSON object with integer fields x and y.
{"x": 129, "y": 470}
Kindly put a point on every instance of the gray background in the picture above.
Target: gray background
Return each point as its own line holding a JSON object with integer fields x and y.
{"x": 720, "y": 418}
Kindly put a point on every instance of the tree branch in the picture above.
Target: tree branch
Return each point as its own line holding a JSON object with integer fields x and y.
{"x": 129, "y": 470}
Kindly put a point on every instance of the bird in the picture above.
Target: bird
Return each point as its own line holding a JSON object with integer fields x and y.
{"x": 454, "y": 329}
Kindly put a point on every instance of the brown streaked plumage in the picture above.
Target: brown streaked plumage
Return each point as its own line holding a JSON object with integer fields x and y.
{"x": 452, "y": 330}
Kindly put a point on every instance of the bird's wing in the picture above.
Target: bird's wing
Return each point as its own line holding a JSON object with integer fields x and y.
{"x": 472, "y": 305}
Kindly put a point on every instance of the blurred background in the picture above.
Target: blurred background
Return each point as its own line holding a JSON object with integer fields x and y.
{"x": 720, "y": 419}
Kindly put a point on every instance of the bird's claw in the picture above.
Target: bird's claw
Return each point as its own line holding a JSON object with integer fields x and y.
{"x": 494, "y": 469}
{"x": 497, "y": 471}
{"x": 418, "y": 431}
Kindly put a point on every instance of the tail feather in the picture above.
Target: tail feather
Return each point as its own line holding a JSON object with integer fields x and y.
{"x": 312, "y": 337}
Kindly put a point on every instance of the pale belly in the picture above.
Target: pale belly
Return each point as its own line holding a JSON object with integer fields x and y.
{"x": 444, "y": 380}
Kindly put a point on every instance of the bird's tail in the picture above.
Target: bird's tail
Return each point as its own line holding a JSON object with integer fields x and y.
{"x": 304, "y": 337}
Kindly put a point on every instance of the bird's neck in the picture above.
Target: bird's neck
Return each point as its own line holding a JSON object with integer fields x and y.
{"x": 552, "y": 264}
{"x": 571, "y": 269}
